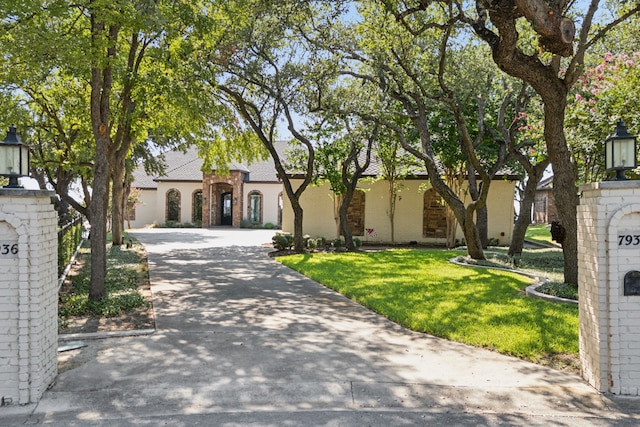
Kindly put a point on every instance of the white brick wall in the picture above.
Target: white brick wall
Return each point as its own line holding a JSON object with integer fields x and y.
{"x": 28, "y": 295}
{"x": 609, "y": 320}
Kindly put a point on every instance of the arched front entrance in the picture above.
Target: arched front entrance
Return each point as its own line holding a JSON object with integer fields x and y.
{"x": 223, "y": 199}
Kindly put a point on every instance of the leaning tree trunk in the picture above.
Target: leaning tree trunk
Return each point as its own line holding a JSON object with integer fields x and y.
{"x": 535, "y": 173}
{"x": 564, "y": 183}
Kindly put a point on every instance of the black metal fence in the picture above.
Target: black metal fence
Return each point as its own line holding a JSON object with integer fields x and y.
{"x": 69, "y": 237}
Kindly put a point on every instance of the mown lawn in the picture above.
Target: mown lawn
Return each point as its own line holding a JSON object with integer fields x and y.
{"x": 421, "y": 290}
{"x": 539, "y": 233}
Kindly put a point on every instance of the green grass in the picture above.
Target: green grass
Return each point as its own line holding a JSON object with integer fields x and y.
{"x": 421, "y": 290}
{"x": 125, "y": 271}
{"x": 539, "y": 233}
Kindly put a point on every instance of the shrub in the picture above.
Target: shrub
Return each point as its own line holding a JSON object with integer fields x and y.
{"x": 282, "y": 241}
{"x": 269, "y": 226}
{"x": 337, "y": 243}
{"x": 312, "y": 244}
{"x": 357, "y": 242}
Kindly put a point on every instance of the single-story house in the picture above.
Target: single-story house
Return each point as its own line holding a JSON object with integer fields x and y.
{"x": 253, "y": 194}
{"x": 420, "y": 214}
{"x": 184, "y": 194}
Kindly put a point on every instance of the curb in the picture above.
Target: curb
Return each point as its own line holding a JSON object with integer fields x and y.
{"x": 104, "y": 335}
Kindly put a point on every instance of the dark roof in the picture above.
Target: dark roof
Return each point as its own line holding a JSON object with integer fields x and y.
{"x": 545, "y": 184}
{"x": 187, "y": 167}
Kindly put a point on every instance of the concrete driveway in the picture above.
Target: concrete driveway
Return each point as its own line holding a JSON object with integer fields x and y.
{"x": 242, "y": 340}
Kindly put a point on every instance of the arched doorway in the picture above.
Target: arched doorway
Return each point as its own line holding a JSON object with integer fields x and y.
{"x": 226, "y": 206}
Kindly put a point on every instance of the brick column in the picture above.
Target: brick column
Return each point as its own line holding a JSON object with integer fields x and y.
{"x": 28, "y": 295}
{"x": 609, "y": 313}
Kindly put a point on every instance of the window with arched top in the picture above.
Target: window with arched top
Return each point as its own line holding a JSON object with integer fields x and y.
{"x": 172, "y": 208}
{"x": 254, "y": 206}
{"x": 434, "y": 215}
{"x": 196, "y": 206}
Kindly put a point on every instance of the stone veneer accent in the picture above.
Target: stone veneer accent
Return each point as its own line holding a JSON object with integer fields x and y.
{"x": 28, "y": 295}
{"x": 609, "y": 320}
{"x": 213, "y": 186}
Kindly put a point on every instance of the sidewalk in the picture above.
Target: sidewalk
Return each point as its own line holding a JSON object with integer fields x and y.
{"x": 242, "y": 340}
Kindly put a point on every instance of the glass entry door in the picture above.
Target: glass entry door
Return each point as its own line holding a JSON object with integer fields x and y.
{"x": 226, "y": 216}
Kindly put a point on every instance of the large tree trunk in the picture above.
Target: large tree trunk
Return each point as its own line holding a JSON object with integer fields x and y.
{"x": 344, "y": 219}
{"x": 98, "y": 220}
{"x": 298, "y": 237}
{"x": 564, "y": 183}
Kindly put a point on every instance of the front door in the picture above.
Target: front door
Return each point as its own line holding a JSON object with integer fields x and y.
{"x": 226, "y": 217}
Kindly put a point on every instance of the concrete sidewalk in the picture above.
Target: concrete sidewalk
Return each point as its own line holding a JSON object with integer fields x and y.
{"x": 242, "y": 340}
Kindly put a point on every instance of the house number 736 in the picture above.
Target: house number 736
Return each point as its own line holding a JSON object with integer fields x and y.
{"x": 7, "y": 249}
{"x": 629, "y": 240}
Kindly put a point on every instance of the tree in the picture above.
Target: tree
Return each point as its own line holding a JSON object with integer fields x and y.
{"x": 264, "y": 69}
{"x": 550, "y": 80}
{"x": 415, "y": 70}
{"x": 98, "y": 50}
{"x": 500, "y": 24}
{"x": 604, "y": 94}
{"x": 395, "y": 165}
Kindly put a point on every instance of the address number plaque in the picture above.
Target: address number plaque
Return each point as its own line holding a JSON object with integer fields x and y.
{"x": 8, "y": 249}
{"x": 629, "y": 240}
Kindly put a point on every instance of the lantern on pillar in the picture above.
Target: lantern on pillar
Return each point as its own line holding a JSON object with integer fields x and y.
{"x": 620, "y": 152}
{"x": 14, "y": 158}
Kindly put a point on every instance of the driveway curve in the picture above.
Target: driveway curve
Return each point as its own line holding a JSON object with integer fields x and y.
{"x": 243, "y": 340}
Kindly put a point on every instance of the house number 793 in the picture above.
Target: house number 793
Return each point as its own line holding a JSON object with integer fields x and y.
{"x": 629, "y": 240}
{"x": 8, "y": 248}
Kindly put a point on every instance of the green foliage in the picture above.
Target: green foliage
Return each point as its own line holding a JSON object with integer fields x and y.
{"x": 421, "y": 290}
{"x": 337, "y": 243}
{"x": 357, "y": 242}
{"x": 561, "y": 290}
{"x": 68, "y": 239}
{"x": 125, "y": 269}
{"x": 603, "y": 95}
{"x": 282, "y": 241}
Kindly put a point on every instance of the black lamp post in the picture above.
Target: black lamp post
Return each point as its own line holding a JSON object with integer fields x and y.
{"x": 620, "y": 152}
{"x": 14, "y": 158}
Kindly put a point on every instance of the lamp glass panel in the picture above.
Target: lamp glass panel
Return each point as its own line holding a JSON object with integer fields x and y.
{"x": 9, "y": 159}
{"x": 608, "y": 154}
{"x": 24, "y": 159}
{"x": 624, "y": 153}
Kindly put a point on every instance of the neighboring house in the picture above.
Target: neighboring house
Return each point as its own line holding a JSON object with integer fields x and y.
{"x": 184, "y": 194}
{"x": 544, "y": 206}
{"x": 420, "y": 214}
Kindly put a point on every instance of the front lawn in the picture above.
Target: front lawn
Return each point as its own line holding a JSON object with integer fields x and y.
{"x": 539, "y": 233}
{"x": 421, "y": 290}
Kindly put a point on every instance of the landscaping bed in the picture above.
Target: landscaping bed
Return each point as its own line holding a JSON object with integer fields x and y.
{"x": 128, "y": 305}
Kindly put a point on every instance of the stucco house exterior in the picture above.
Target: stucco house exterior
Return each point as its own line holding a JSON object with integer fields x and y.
{"x": 253, "y": 194}
{"x": 184, "y": 194}
{"x": 420, "y": 214}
